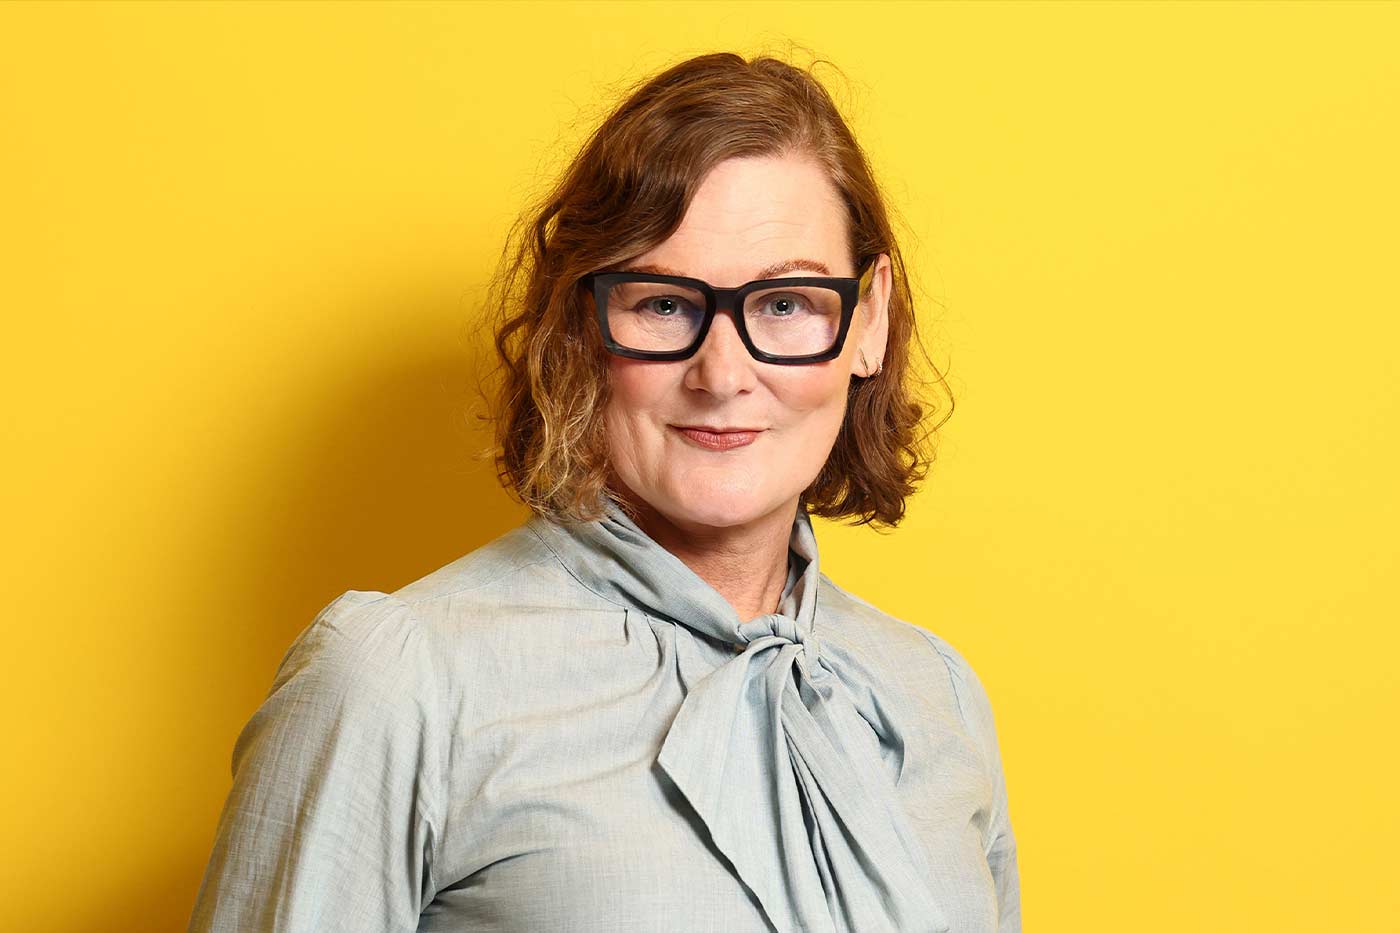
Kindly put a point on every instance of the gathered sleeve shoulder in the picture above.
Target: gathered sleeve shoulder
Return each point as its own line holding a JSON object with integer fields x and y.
{"x": 999, "y": 842}
{"x": 334, "y": 816}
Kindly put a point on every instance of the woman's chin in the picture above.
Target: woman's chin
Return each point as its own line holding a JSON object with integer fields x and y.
{"x": 718, "y": 508}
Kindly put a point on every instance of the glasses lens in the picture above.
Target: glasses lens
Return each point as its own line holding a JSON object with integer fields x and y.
{"x": 656, "y": 317}
{"x": 793, "y": 321}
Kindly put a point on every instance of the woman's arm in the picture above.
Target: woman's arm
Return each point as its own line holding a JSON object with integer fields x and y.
{"x": 332, "y": 820}
{"x": 999, "y": 841}
{"x": 1001, "y": 844}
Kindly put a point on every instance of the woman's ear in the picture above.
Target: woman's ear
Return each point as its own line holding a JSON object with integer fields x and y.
{"x": 874, "y": 313}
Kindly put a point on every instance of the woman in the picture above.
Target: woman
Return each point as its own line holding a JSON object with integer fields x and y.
{"x": 646, "y": 708}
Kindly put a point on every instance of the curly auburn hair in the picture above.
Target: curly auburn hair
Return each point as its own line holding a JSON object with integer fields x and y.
{"x": 626, "y": 191}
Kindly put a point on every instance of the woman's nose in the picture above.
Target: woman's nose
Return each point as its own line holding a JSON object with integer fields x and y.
{"x": 722, "y": 366}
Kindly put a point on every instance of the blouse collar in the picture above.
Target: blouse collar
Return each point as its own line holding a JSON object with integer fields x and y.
{"x": 619, "y": 561}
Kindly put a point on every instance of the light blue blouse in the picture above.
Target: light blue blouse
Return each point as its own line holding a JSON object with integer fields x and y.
{"x": 568, "y": 730}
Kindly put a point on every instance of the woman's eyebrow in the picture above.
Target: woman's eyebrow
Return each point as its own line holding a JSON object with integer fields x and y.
{"x": 776, "y": 269}
{"x": 794, "y": 265}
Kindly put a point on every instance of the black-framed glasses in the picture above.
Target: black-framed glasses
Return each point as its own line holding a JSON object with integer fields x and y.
{"x": 789, "y": 321}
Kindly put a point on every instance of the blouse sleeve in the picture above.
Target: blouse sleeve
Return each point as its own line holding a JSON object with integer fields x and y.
{"x": 332, "y": 820}
{"x": 999, "y": 842}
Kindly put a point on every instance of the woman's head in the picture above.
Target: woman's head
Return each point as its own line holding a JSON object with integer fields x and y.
{"x": 726, "y": 171}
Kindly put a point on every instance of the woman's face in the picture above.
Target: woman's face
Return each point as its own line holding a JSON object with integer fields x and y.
{"x": 749, "y": 216}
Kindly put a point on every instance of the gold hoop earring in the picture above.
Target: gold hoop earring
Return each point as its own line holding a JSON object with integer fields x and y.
{"x": 868, "y": 373}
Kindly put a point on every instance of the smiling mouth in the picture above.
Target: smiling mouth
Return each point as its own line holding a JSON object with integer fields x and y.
{"x": 717, "y": 440}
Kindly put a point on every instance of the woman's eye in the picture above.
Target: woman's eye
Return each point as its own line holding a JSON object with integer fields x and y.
{"x": 665, "y": 306}
{"x": 783, "y": 305}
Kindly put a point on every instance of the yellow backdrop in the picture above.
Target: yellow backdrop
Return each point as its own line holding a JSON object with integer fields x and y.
{"x": 243, "y": 246}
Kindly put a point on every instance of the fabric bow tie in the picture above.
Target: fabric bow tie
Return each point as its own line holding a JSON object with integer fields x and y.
{"x": 771, "y": 752}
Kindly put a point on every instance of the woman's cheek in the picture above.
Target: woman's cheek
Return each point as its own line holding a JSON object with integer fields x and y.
{"x": 638, "y": 385}
{"x": 814, "y": 389}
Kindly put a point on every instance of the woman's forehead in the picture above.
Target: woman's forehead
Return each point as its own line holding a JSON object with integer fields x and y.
{"x": 756, "y": 218}
{"x": 769, "y": 196}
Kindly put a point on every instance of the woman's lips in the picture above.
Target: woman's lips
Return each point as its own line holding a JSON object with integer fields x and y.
{"x": 722, "y": 441}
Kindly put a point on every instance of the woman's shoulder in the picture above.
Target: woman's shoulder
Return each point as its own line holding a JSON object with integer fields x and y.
{"x": 919, "y": 654}
{"x": 404, "y": 668}
{"x": 512, "y": 575}
{"x": 401, "y": 647}
{"x": 496, "y": 564}
{"x": 858, "y": 619}
{"x": 361, "y": 665}
{"x": 513, "y": 570}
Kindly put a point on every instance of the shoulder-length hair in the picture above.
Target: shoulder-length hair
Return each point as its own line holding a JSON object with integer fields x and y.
{"x": 626, "y": 191}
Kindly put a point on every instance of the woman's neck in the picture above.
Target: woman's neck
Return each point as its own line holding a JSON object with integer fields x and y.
{"x": 746, "y": 564}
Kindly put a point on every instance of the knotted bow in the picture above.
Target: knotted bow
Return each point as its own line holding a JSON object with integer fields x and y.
{"x": 772, "y": 753}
